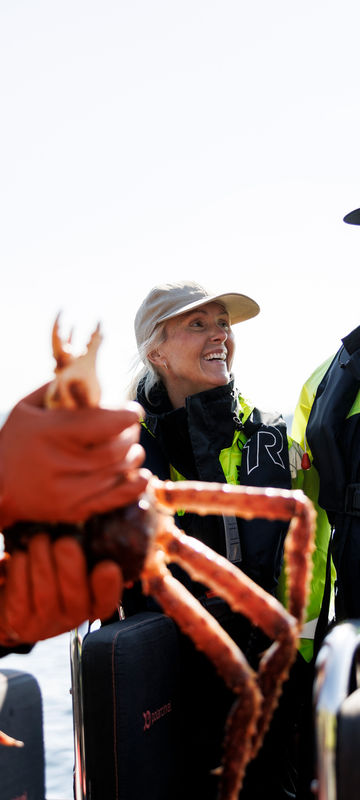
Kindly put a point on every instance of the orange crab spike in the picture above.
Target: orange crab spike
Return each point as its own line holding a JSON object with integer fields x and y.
{"x": 76, "y": 384}
{"x": 9, "y": 741}
{"x": 61, "y": 350}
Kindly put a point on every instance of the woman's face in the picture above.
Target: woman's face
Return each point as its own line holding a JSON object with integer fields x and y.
{"x": 198, "y": 352}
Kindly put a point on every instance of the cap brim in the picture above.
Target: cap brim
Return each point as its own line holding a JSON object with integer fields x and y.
{"x": 353, "y": 218}
{"x": 239, "y": 306}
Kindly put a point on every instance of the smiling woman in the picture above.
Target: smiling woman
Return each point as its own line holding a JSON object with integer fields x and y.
{"x": 172, "y": 311}
{"x": 197, "y": 426}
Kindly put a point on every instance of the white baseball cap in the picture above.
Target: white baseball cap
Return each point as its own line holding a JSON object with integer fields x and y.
{"x": 172, "y": 299}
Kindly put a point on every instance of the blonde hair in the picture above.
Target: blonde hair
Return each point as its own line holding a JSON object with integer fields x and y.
{"x": 144, "y": 370}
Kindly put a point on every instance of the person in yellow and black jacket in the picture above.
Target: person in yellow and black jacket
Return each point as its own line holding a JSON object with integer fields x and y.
{"x": 327, "y": 425}
{"x": 199, "y": 426}
{"x": 331, "y": 400}
{"x": 327, "y": 422}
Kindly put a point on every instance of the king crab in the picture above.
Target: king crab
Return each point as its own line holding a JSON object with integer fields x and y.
{"x": 143, "y": 538}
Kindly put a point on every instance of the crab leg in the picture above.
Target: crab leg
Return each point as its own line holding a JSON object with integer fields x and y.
{"x": 8, "y": 741}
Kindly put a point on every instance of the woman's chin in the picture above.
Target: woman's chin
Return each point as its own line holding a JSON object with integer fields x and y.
{"x": 219, "y": 377}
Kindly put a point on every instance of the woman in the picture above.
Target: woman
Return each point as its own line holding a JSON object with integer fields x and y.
{"x": 199, "y": 427}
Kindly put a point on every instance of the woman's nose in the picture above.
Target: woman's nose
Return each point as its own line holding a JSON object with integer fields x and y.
{"x": 219, "y": 333}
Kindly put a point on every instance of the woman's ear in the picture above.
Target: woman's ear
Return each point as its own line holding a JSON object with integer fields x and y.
{"x": 155, "y": 358}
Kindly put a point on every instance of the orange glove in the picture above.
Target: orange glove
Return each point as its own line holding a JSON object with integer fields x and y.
{"x": 63, "y": 465}
{"x": 46, "y": 590}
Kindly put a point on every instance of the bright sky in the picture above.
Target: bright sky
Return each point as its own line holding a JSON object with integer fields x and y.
{"x": 152, "y": 140}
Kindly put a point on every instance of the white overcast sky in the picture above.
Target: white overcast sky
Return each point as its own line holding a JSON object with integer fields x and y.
{"x": 153, "y": 140}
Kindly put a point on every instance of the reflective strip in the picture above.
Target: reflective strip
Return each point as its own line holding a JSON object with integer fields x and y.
{"x": 308, "y": 630}
{"x": 232, "y": 539}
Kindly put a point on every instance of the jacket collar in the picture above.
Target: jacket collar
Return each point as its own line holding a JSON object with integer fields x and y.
{"x": 159, "y": 407}
{"x": 190, "y": 437}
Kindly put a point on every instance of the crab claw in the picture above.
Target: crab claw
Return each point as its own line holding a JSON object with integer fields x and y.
{"x": 76, "y": 384}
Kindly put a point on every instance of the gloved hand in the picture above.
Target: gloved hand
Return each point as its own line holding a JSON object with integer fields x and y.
{"x": 64, "y": 465}
{"x": 46, "y": 590}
